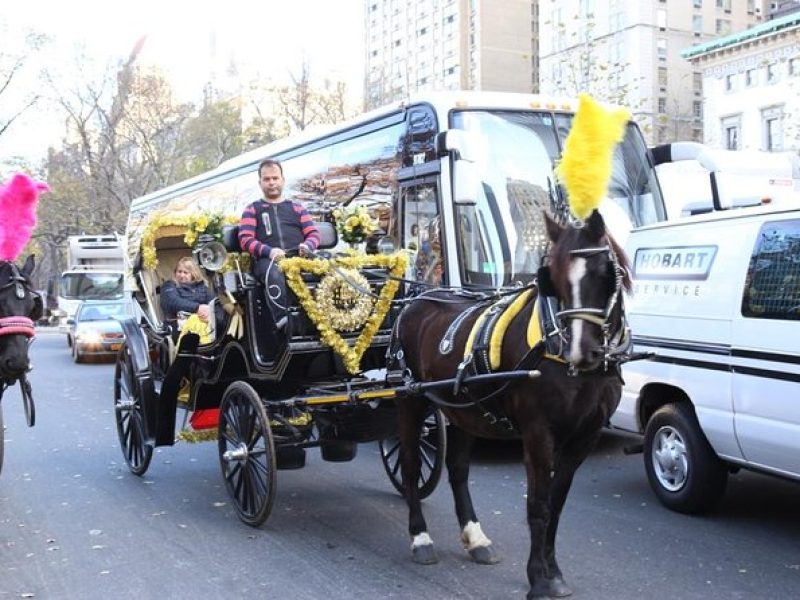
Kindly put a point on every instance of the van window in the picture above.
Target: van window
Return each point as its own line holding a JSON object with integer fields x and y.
{"x": 772, "y": 286}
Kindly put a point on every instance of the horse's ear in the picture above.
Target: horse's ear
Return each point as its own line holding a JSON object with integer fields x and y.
{"x": 596, "y": 226}
{"x": 30, "y": 263}
{"x": 554, "y": 230}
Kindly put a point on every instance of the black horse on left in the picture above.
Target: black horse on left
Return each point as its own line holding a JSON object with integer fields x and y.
{"x": 20, "y": 308}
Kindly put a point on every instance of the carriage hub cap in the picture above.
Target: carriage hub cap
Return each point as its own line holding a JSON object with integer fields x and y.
{"x": 239, "y": 454}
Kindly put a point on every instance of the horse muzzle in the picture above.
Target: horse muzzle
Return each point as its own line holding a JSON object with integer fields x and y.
{"x": 14, "y": 362}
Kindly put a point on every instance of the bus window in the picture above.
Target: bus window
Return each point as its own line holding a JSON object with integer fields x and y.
{"x": 422, "y": 233}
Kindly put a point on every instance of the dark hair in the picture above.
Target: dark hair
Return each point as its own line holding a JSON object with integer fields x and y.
{"x": 270, "y": 162}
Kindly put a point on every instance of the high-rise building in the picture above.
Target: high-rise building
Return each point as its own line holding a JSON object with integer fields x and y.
{"x": 630, "y": 53}
{"x": 427, "y": 45}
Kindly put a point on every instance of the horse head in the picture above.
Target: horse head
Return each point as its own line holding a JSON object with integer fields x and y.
{"x": 20, "y": 307}
{"x": 587, "y": 272}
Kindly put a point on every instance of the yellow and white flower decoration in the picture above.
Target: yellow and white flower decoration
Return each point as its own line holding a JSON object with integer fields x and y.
{"x": 329, "y": 323}
{"x": 192, "y": 225}
{"x": 354, "y": 224}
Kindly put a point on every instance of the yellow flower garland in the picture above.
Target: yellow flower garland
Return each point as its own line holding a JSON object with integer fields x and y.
{"x": 194, "y": 224}
{"x": 293, "y": 269}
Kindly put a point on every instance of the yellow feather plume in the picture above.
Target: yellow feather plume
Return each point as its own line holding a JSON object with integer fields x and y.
{"x": 585, "y": 165}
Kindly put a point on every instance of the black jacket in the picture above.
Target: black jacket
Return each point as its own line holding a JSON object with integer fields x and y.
{"x": 183, "y": 297}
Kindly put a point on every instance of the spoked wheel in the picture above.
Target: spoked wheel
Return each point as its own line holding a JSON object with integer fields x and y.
{"x": 128, "y": 402}
{"x": 432, "y": 447}
{"x": 247, "y": 453}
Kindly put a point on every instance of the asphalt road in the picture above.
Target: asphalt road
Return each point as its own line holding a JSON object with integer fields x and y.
{"x": 75, "y": 524}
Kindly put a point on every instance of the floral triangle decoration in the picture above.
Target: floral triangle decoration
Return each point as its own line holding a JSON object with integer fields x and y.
{"x": 293, "y": 268}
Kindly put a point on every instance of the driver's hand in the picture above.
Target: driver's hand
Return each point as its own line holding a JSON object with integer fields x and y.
{"x": 303, "y": 249}
{"x": 277, "y": 254}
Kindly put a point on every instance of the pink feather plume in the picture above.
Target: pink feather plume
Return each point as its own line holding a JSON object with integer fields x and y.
{"x": 18, "y": 200}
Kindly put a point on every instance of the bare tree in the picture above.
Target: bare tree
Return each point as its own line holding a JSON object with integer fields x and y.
{"x": 12, "y": 65}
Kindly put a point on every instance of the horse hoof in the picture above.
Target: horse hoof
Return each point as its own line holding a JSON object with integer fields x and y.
{"x": 484, "y": 555}
{"x": 549, "y": 588}
{"x": 424, "y": 555}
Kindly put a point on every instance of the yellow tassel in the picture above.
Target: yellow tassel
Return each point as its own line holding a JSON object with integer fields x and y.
{"x": 585, "y": 165}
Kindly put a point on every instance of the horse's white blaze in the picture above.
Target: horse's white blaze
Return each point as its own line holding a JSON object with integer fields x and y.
{"x": 472, "y": 536}
{"x": 576, "y": 273}
{"x": 421, "y": 539}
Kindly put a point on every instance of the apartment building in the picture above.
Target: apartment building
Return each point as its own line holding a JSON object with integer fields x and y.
{"x": 630, "y": 53}
{"x": 751, "y": 86}
{"x": 426, "y": 45}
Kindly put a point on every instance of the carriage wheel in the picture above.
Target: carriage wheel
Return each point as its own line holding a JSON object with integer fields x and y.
{"x": 247, "y": 453}
{"x": 432, "y": 447}
{"x": 130, "y": 417}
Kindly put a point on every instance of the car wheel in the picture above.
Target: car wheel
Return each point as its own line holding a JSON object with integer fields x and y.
{"x": 76, "y": 354}
{"x": 684, "y": 471}
{"x": 69, "y": 341}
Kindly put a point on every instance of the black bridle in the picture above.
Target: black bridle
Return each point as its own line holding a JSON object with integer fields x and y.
{"x": 18, "y": 325}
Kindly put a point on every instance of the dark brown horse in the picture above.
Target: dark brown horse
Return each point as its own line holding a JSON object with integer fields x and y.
{"x": 558, "y": 415}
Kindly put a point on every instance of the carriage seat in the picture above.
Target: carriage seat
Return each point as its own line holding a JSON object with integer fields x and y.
{"x": 327, "y": 235}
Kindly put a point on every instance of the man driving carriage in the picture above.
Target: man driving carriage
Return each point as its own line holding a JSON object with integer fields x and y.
{"x": 269, "y": 228}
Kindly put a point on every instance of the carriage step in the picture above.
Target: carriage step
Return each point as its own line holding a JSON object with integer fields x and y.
{"x": 290, "y": 457}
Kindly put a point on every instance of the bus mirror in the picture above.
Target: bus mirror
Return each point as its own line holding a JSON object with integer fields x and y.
{"x": 462, "y": 145}
{"x": 466, "y": 183}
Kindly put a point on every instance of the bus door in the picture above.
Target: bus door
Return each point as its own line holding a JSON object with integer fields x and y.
{"x": 420, "y": 230}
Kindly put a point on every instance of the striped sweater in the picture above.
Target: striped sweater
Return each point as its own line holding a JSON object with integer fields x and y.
{"x": 267, "y": 225}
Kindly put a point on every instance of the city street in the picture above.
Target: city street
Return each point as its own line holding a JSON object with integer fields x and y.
{"x": 76, "y": 524}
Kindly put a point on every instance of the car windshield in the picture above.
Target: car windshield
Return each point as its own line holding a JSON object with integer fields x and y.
{"x": 92, "y": 286}
{"x": 103, "y": 312}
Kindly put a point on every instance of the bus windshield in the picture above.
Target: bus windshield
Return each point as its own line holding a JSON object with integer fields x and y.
{"x": 92, "y": 286}
{"x": 501, "y": 238}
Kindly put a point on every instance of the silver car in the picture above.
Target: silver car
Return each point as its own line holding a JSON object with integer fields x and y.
{"x": 96, "y": 330}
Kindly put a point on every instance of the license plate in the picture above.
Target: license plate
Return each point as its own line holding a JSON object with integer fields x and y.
{"x": 116, "y": 346}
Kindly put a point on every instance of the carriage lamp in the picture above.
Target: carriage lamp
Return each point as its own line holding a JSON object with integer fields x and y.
{"x": 210, "y": 254}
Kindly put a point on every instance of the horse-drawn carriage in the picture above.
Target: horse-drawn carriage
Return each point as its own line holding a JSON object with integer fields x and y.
{"x": 265, "y": 394}
{"x": 368, "y": 355}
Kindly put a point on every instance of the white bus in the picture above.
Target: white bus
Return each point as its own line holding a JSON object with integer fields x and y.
{"x": 459, "y": 178}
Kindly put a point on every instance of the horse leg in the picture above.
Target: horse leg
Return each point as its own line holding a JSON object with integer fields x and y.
{"x": 539, "y": 456}
{"x": 570, "y": 458}
{"x": 411, "y": 414}
{"x": 479, "y": 547}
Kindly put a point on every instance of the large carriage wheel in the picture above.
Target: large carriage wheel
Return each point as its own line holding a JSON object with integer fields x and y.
{"x": 247, "y": 453}
{"x": 128, "y": 400}
{"x": 432, "y": 448}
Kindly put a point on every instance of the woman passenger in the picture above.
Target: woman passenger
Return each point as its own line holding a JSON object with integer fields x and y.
{"x": 188, "y": 293}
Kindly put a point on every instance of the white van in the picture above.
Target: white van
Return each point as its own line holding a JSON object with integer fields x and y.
{"x": 717, "y": 300}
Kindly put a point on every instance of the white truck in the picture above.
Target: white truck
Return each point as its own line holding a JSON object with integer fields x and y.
{"x": 95, "y": 271}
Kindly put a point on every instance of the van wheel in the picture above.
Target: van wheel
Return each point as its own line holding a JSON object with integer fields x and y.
{"x": 684, "y": 472}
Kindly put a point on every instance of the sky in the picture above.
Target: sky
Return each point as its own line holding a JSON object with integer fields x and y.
{"x": 269, "y": 38}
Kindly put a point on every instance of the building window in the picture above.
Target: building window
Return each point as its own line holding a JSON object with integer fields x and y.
{"x": 731, "y": 132}
{"x": 697, "y": 83}
{"x": 772, "y": 128}
{"x": 697, "y": 109}
{"x": 725, "y": 4}
{"x": 698, "y": 3}
{"x": 751, "y": 6}
{"x": 661, "y": 18}
{"x": 661, "y": 47}
{"x": 750, "y": 77}
{"x": 730, "y": 82}
{"x": 662, "y": 77}
{"x": 697, "y": 24}
{"x": 662, "y": 105}
{"x": 723, "y": 27}
{"x": 772, "y": 73}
